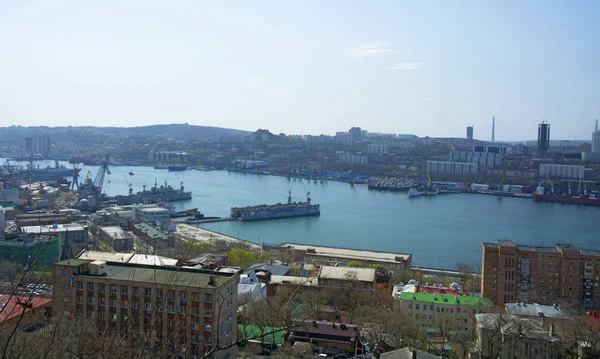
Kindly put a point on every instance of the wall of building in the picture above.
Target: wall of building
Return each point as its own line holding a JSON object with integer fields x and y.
{"x": 562, "y": 171}
{"x": 349, "y": 158}
{"x": 452, "y": 167}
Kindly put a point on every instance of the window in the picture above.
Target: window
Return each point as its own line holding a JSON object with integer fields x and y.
{"x": 113, "y": 317}
{"x": 148, "y": 291}
{"x": 437, "y": 309}
{"x": 66, "y": 272}
{"x": 195, "y": 311}
{"x": 170, "y": 308}
{"x": 170, "y": 323}
{"x": 79, "y": 312}
{"x": 79, "y": 285}
{"x": 451, "y": 310}
{"x": 194, "y": 339}
{"x": 148, "y": 306}
{"x": 124, "y": 317}
{"x": 101, "y": 287}
{"x": 100, "y": 314}
{"x": 101, "y": 302}
{"x": 208, "y": 341}
{"x": 181, "y": 310}
{"x": 91, "y": 300}
{"x": 159, "y": 293}
{"x": 90, "y": 286}
{"x": 416, "y": 306}
{"x": 170, "y": 294}
{"x": 113, "y": 303}
{"x": 113, "y": 330}
{"x": 183, "y": 295}
{"x": 207, "y": 327}
{"x": 123, "y": 290}
{"x": 113, "y": 289}
{"x": 90, "y": 315}
{"x": 207, "y": 313}
{"x": 135, "y": 305}
{"x": 195, "y": 325}
{"x": 431, "y": 307}
{"x": 458, "y": 310}
{"x": 79, "y": 299}
{"x": 208, "y": 298}
{"x": 196, "y": 296}
{"x": 123, "y": 304}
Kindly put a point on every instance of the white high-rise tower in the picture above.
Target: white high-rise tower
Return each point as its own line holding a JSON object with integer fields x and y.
{"x": 596, "y": 139}
{"x": 493, "y": 129}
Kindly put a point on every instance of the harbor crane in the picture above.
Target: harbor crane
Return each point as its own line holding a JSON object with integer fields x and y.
{"x": 102, "y": 172}
{"x": 75, "y": 180}
{"x": 128, "y": 185}
{"x": 180, "y": 182}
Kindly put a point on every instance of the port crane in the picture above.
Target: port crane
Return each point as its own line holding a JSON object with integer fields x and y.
{"x": 75, "y": 180}
{"x": 180, "y": 182}
{"x": 102, "y": 172}
{"x": 128, "y": 185}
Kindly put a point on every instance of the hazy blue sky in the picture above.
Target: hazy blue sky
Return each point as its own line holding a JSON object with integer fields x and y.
{"x": 310, "y": 67}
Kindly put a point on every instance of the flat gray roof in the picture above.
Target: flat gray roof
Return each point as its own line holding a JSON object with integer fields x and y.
{"x": 350, "y": 253}
{"x": 534, "y": 310}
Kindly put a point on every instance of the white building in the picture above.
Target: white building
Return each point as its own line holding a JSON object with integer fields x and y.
{"x": 349, "y": 158}
{"x": 562, "y": 171}
{"x": 9, "y": 194}
{"x": 452, "y": 167}
{"x": 250, "y": 289}
{"x": 76, "y": 232}
{"x": 378, "y": 149}
{"x": 151, "y": 215}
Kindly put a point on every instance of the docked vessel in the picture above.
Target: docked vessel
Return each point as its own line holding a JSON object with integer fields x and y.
{"x": 177, "y": 168}
{"x": 49, "y": 173}
{"x": 391, "y": 185}
{"x": 591, "y": 200}
{"x": 429, "y": 190}
{"x": 274, "y": 211}
{"x": 164, "y": 193}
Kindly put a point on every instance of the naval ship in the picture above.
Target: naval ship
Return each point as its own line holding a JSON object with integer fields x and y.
{"x": 156, "y": 194}
{"x": 275, "y": 211}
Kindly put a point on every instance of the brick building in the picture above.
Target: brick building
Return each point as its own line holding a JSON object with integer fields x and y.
{"x": 186, "y": 310}
{"x": 518, "y": 273}
{"x": 24, "y": 311}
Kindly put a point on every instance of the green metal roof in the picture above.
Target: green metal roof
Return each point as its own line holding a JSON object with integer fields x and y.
{"x": 445, "y": 299}
{"x": 254, "y": 331}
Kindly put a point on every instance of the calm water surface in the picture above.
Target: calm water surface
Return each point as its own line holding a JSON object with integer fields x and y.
{"x": 438, "y": 231}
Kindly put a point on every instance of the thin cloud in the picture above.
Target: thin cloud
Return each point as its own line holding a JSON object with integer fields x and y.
{"x": 405, "y": 66}
{"x": 252, "y": 80}
{"x": 377, "y": 48}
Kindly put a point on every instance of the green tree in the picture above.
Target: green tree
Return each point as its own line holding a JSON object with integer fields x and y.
{"x": 356, "y": 264}
{"x": 241, "y": 258}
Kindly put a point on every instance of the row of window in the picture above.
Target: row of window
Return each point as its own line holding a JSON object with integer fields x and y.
{"x": 147, "y": 291}
{"x": 207, "y": 341}
{"x": 438, "y": 309}
{"x": 135, "y": 305}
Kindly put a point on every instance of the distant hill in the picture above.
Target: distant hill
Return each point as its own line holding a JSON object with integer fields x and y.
{"x": 181, "y": 131}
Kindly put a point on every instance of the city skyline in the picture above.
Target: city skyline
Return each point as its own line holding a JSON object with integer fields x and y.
{"x": 305, "y": 68}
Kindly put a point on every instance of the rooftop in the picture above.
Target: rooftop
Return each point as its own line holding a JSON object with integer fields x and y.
{"x": 340, "y": 330}
{"x": 253, "y": 331}
{"x": 51, "y": 228}
{"x": 153, "y": 260}
{"x": 13, "y": 306}
{"x": 162, "y": 275}
{"x": 347, "y": 273}
{"x": 106, "y": 256}
{"x": 534, "y": 310}
{"x": 556, "y": 249}
{"x": 285, "y": 279}
{"x": 407, "y": 353}
{"x": 350, "y": 253}
{"x": 513, "y": 325}
{"x": 445, "y": 299}
{"x": 153, "y": 209}
{"x": 275, "y": 269}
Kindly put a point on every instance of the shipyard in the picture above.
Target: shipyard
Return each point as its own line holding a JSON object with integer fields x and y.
{"x": 297, "y": 181}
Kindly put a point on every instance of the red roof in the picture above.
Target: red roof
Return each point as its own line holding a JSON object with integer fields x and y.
{"x": 443, "y": 290}
{"x": 13, "y": 306}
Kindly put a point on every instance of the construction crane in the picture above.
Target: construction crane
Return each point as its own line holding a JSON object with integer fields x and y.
{"x": 180, "y": 182}
{"x": 102, "y": 172}
{"x": 128, "y": 185}
{"x": 75, "y": 180}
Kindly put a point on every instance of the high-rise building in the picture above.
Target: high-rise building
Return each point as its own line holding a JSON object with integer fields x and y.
{"x": 546, "y": 275}
{"x": 596, "y": 139}
{"x": 493, "y": 129}
{"x": 356, "y": 134}
{"x": 189, "y": 310}
{"x": 543, "y": 138}
{"x": 470, "y": 133}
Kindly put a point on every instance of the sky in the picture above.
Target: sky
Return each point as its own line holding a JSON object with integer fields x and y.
{"x": 428, "y": 68}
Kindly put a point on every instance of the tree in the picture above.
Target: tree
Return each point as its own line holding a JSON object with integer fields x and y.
{"x": 241, "y": 258}
{"x": 355, "y": 264}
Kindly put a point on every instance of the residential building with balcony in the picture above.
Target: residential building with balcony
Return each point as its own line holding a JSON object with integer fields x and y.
{"x": 561, "y": 274}
{"x": 185, "y": 310}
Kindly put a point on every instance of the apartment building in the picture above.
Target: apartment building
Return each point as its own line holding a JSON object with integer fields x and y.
{"x": 185, "y": 310}
{"x": 518, "y": 273}
{"x": 428, "y": 308}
